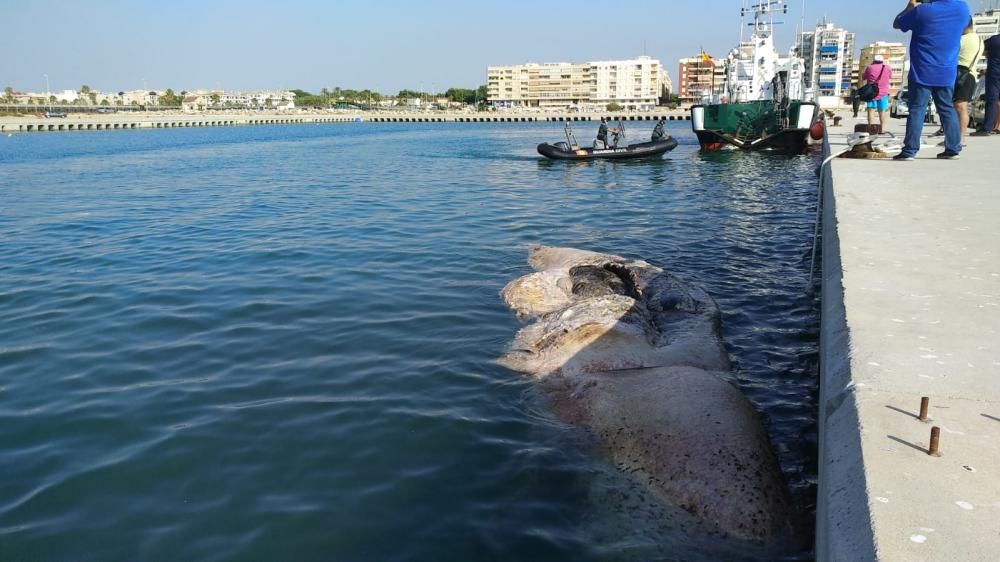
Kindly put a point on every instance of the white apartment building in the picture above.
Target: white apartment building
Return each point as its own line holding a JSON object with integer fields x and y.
{"x": 220, "y": 99}
{"x": 65, "y": 96}
{"x": 630, "y": 82}
{"x": 633, "y": 84}
{"x": 828, "y": 54}
{"x": 139, "y": 97}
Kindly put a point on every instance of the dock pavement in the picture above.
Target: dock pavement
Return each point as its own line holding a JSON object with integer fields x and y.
{"x": 911, "y": 309}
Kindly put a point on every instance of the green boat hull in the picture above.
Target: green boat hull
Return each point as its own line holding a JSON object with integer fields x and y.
{"x": 756, "y": 125}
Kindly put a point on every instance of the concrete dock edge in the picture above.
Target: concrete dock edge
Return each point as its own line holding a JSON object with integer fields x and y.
{"x": 910, "y": 314}
{"x": 843, "y": 521}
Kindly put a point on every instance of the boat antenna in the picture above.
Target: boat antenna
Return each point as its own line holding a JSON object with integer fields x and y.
{"x": 743, "y": 11}
{"x": 802, "y": 25}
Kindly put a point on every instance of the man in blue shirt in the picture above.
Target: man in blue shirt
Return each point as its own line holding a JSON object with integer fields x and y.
{"x": 937, "y": 27}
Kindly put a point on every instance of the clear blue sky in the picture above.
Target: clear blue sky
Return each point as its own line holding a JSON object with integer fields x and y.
{"x": 384, "y": 45}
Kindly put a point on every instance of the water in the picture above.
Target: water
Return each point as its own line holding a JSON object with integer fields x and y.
{"x": 277, "y": 343}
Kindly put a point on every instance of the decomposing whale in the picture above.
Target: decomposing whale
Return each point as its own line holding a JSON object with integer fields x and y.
{"x": 634, "y": 355}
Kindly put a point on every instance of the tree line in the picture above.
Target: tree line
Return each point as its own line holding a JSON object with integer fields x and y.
{"x": 325, "y": 98}
{"x": 331, "y": 97}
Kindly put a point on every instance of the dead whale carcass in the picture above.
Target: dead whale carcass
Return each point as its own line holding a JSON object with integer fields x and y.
{"x": 634, "y": 354}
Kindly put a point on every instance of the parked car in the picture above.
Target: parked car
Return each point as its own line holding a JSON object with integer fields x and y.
{"x": 51, "y": 114}
{"x": 898, "y": 107}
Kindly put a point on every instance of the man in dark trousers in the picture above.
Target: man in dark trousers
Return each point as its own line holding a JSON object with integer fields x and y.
{"x": 658, "y": 132}
{"x": 992, "y": 87}
{"x": 936, "y": 28}
{"x": 602, "y": 134}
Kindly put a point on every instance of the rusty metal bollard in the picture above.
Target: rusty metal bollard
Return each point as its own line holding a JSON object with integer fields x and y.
{"x": 934, "y": 450}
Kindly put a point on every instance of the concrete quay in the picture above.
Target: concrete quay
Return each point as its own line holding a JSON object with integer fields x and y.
{"x": 910, "y": 309}
{"x": 104, "y": 122}
{"x": 515, "y": 117}
{"x": 154, "y": 120}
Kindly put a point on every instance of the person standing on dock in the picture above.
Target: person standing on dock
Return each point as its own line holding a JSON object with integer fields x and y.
{"x": 965, "y": 82}
{"x": 934, "y": 44}
{"x": 878, "y": 73}
{"x": 658, "y": 131}
{"x": 990, "y": 125}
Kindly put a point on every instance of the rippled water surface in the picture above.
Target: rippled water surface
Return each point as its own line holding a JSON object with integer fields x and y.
{"x": 277, "y": 343}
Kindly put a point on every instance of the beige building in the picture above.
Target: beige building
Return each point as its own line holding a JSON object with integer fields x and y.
{"x": 633, "y": 84}
{"x": 894, "y": 55}
{"x": 139, "y": 97}
{"x": 855, "y": 72}
{"x": 700, "y": 79}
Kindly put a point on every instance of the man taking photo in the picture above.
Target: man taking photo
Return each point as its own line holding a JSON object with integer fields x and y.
{"x": 936, "y": 27}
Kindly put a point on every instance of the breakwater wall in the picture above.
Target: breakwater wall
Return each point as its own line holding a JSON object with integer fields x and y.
{"x": 101, "y": 122}
{"x": 116, "y": 122}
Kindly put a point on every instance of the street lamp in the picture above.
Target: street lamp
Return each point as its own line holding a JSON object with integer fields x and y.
{"x": 48, "y": 95}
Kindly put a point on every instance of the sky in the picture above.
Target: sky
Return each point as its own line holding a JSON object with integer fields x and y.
{"x": 384, "y": 45}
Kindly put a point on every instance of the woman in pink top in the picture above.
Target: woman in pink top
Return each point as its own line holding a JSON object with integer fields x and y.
{"x": 879, "y": 73}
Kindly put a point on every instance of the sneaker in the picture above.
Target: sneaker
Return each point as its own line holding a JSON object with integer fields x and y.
{"x": 903, "y": 157}
{"x": 981, "y": 134}
{"x": 948, "y": 155}
{"x": 938, "y": 133}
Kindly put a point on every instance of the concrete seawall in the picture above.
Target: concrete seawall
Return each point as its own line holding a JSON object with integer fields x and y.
{"x": 104, "y": 122}
{"x": 910, "y": 309}
{"x": 99, "y": 122}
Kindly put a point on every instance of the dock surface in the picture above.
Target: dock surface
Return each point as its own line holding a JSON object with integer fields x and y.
{"x": 911, "y": 309}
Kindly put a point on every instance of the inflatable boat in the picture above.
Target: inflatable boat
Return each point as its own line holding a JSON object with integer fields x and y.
{"x": 563, "y": 151}
{"x": 570, "y": 150}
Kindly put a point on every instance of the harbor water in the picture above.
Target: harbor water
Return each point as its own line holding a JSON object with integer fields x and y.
{"x": 278, "y": 343}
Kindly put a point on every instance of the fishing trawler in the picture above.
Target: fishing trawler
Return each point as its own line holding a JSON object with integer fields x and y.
{"x": 762, "y": 106}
